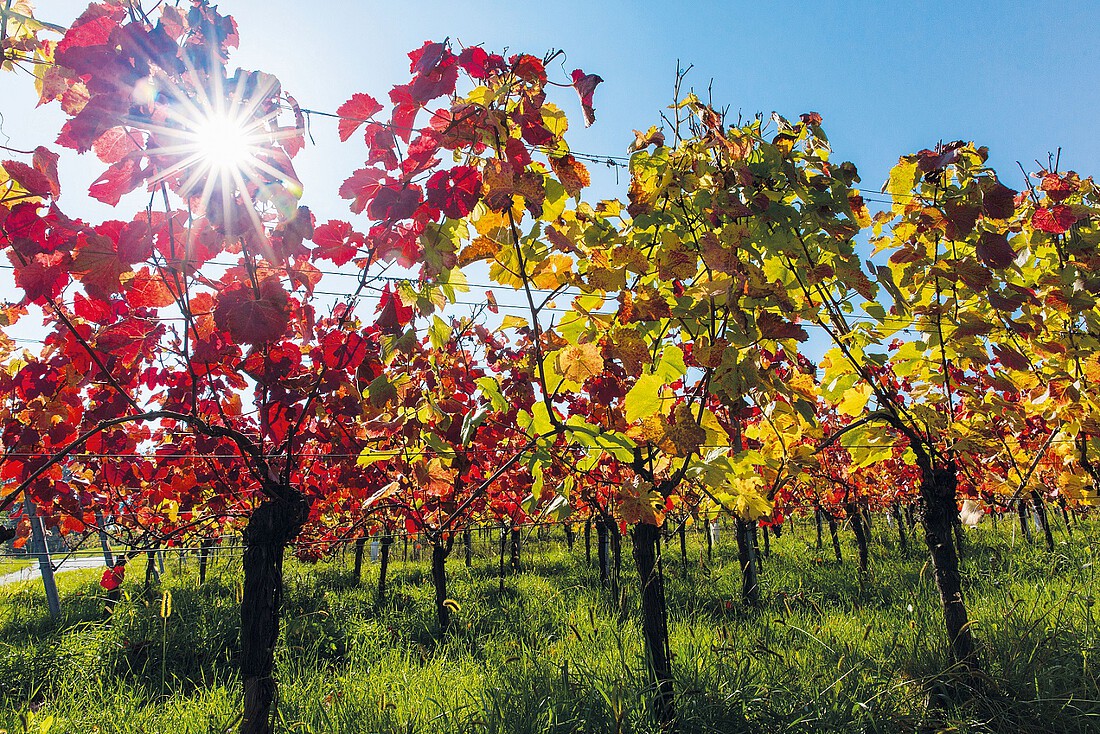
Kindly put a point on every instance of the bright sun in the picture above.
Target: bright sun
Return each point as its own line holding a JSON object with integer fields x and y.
{"x": 223, "y": 144}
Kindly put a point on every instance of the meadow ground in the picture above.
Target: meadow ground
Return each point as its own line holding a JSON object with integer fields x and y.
{"x": 553, "y": 653}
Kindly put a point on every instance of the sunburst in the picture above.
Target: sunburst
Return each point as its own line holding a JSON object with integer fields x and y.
{"x": 220, "y": 144}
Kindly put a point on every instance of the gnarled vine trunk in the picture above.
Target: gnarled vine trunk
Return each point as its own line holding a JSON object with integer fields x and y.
{"x": 273, "y": 524}
{"x": 655, "y": 620}
{"x": 357, "y": 569}
{"x": 588, "y": 541}
{"x": 517, "y": 542}
{"x": 1040, "y": 506}
{"x": 903, "y": 543}
{"x": 440, "y": 550}
{"x": 940, "y": 512}
{"x": 746, "y": 557}
{"x": 860, "y": 531}
{"x": 204, "y": 560}
{"x": 834, "y": 536}
{"x": 603, "y": 546}
{"x": 383, "y": 565}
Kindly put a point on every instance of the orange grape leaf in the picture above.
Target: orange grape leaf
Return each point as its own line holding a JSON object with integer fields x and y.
{"x": 578, "y": 362}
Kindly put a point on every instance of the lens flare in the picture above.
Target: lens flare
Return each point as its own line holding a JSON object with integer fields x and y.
{"x": 223, "y": 147}
{"x": 223, "y": 144}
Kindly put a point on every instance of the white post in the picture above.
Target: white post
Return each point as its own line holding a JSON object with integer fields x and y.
{"x": 45, "y": 566}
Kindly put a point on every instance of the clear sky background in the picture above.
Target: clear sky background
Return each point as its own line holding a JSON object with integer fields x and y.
{"x": 889, "y": 78}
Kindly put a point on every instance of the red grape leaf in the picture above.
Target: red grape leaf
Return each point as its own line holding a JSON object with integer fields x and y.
{"x": 361, "y": 187}
{"x": 1056, "y": 220}
{"x": 43, "y": 276}
{"x": 45, "y": 162}
{"x": 118, "y": 180}
{"x": 353, "y": 113}
{"x": 392, "y": 313}
{"x": 337, "y": 241}
{"x": 254, "y": 318}
{"x": 585, "y": 84}
{"x": 115, "y": 144}
{"x": 146, "y": 290}
{"x": 773, "y": 326}
{"x": 993, "y": 250}
{"x": 29, "y": 178}
{"x": 1011, "y": 358}
{"x": 473, "y": 61}
{"x": 96, "y": 263}
{"x": 394, "y": 202}
{"x": 999, "y": 201}
{"x": 1057, "y": 187}
{"x": 455, "y": 192}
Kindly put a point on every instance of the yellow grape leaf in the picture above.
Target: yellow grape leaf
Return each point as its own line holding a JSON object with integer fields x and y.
{"x": 512, "y": 322}
{"x": 903, "y": 177}
{"x": 644, "y": 399}
{"x": 803, "y": 384}
{"x": 671, "y": 367}
{"x": 854, "y": 400}
{"x": 1091, "y": 368}
{"x": 650, "y": 430}
{"x": 637, "y": 502}
{"x": 482, "y": 248}
{"x": 578, "y": 362}
{"x": 746, "y": 498}
{"x": 685, "y": 434}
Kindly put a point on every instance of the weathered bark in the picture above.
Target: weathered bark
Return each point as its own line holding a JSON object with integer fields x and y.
{"x": 960, "y": 544}
{"x": 1065, "y": 515}
{"x": 655, "y": 621}
{"x": 204, "y": 560}
{"x": 357, "y": 569}
{"x": 1025, "y": 528}
{"x": 940, "y": 513}
{"x": 41, "y": 547}
{"x": 383, "y": 565}
{"x": 273, "y": 524}
{"x": 754, "y": 535}
{"x": 1044, "y": 519}
{"x": 517, "y": 542}
{"x": 152, "y": 576}
{"x": 570, "y": 536}
{"x": 836, "y": 538}
{"x": 603, "y": 547}
{"x": 855, "y": 516}
{"x": 817, "y": 518}
{"x": 616, "y": 559}
{"x": 503, "y": 546}
{"x": 440, "y": 551}
{"x": 746, "y": 557}
{"x": 682, "y": 532}
{"x": 767, "y": 541}
{"x": 903, "y": 542}
{"x": 468, "y": 547}
{"x": 588, "y": 541}
{"x": 708, "y": 530}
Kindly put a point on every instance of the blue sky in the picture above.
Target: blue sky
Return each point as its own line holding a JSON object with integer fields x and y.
{"x": 889, "y": 78}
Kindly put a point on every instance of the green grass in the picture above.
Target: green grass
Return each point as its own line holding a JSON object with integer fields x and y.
{"x": 11, "y": 565}
{"x": 553, "y": 654}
